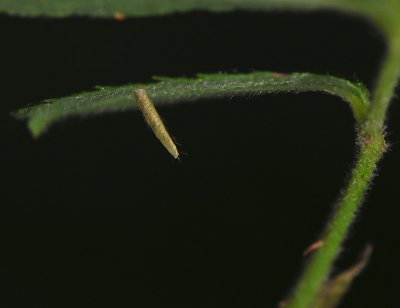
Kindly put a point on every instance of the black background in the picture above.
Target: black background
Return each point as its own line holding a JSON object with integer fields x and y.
{"x": 97, "y": 214}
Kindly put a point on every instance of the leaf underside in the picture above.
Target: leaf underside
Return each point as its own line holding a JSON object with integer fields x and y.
{"x": 384, "y": 13}
{"x": 155, "y": 7}
{"x": 169, "y": 91}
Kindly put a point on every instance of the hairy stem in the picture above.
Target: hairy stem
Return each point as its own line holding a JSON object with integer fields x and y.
{"x": 389, "y": 75}
{"x": 319, "y": 266}
{"x": 371, "y": 147}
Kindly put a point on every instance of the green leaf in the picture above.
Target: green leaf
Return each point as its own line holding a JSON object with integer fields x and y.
{"x": 108, "y": 8}
{"x": 170, "y": 91}
{"x": 385, "y": 13}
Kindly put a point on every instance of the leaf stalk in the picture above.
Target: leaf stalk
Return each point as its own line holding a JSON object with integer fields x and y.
{"x": 372, "y": 145}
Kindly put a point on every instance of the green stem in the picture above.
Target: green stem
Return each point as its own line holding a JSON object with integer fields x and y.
{"x": 371, "y": 147}
{"x": 385, "y": 86}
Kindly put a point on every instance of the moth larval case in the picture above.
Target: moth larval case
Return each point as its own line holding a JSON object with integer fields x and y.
{"x": 152, "y": 117}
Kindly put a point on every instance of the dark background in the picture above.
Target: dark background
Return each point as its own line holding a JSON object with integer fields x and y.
{"x": 97, "y": 214}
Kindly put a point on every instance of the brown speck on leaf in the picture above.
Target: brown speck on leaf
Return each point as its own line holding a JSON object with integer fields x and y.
{"x": 312, "y": 247}
{"x": 276, "y": 74}
{"x": 119, "y": 16}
